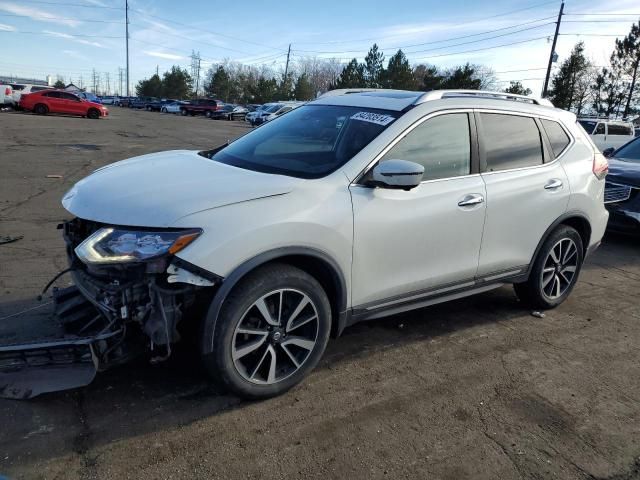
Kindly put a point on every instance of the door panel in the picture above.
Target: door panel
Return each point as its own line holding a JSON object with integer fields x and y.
{"x": 409, "y": 241}
{"x": 522, "y": 202}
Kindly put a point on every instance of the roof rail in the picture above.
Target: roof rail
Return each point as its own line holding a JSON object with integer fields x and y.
{"x": 439, "y": 94}
{"x": 346, "y": 91}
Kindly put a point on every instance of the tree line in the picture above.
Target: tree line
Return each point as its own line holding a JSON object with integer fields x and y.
{"x": 611, "y": 90}
{"x": 578, "y": 85}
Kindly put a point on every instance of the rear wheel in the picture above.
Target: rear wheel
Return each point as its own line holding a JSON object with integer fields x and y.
{"x": 40, "y": 109}
{"x": 555, "y": 270}
{"x": 272, "y": 330}
{"x": 207, "y": 114}
{"x": 93, "y": 114}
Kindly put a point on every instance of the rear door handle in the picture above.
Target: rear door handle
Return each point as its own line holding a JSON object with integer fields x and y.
{"x": 470, "y": 200}
{"x": 553, "y": 184}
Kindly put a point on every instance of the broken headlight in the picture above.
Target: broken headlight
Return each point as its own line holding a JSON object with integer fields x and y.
{"x": 112, "y": 245}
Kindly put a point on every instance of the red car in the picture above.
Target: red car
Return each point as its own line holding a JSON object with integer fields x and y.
{"x": 58, "y": 101}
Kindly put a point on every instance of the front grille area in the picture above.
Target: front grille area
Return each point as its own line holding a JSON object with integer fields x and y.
{"x": 614, "y": 192}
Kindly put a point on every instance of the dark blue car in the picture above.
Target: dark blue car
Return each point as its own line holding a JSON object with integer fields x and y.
{"x": 622, "y": 188}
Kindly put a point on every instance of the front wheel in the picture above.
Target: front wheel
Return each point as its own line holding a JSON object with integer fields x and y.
{"x": 40, "y": 109}
{"x": 93, "y": 114}
{"x": 555, "y": 270}
{"x": 272, "y": 330}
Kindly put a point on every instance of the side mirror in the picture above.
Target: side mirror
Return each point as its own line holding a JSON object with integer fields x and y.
{"x": 607, "y": 152}
{"x": 398, "y": 174}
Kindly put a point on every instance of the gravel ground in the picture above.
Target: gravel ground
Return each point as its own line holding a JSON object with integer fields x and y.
{"x": 478, "y": 388}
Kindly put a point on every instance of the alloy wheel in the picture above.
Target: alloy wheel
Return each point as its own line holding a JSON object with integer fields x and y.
{"x": 275, "y": 336}
{"x": 559, "y": 270}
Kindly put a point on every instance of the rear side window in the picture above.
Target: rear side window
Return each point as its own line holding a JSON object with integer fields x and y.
{"x": 38, "y": 89}
{"x": 557, "y": 136}
{"x": 588, "y": 125}
{"x": 441, "y": 145}
{"x": 619, "y": 129}
{"x": 510, "y": 141}
{"x": 52, "y": 94}
{"x": 599, "y": 129}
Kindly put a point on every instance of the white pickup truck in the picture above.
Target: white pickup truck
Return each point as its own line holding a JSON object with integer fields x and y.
{"x": 6, "y": 96}
{"x": 608, "y": 133}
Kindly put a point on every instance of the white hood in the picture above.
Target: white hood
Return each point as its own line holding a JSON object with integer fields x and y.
{"x": 156, "y": 190}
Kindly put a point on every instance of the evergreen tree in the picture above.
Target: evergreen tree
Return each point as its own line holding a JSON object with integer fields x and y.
{"x": 462, "y": 77}
{"x": 176, "y": 83}
{"x": 568, "y": 83}
{"x": 59, "y": 84}
{"x": 353, "y": 76}
{"x": 264, "y": 90}
{"x": 399, "y": 74}
{"x": 517, "y": 88}
{"x": 303, "y": 89}
{"x": 374, "y": 67}
{"x": 432, "y": 79}
{"x": 219, "y": 84}
{"x": 627, "y": 54}
{"x": 151, "y": 87}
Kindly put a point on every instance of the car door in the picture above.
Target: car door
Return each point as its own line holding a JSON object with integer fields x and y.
{"x": 54, "y": 102}
{"x": 527, "y": 190}
{"x": 424, "y": 241}
{"x": 75, "y": 104}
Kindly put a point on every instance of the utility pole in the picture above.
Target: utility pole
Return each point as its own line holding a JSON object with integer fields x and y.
{"x": 286, "y": 68}
{"x": 157, "y": 70}
{"x": 126, "y": 14}
{"x": 120, "y": 76}
{"x": 108, "y": 80}
{"x": 94, "y": 80}
{"x": 553, "y": 51}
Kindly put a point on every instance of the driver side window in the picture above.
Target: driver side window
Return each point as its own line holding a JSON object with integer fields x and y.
{"x": 442, "y": 145}
{"x": 599, "y": 129}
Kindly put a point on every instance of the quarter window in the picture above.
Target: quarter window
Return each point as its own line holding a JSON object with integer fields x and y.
{"x": 557, "y": 136}
{"x": 619, "y": 129}
{"x": 52, "y": 94}
{"x": 511, "y": 141}
{"x": 441, "y": 145}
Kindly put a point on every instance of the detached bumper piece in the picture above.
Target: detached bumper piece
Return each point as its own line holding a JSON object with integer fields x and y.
{"x": 30, "y": 369}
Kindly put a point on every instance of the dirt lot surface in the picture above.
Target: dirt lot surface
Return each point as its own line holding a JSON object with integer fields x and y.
{"x": 476, "y": 389}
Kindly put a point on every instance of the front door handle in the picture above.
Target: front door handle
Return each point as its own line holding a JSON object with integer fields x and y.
{"x": 470, "y": 200}
{"x": 553, "y": 184}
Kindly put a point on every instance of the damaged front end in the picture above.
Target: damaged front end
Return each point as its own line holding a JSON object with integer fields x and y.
{"x": 131, "y": 293}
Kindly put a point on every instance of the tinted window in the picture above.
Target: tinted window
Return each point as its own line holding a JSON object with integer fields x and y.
{"x": 69, "y": 96}
{"x": 631, "y": 151}
{"x": 557, "y": 136}
{"x": 619, "y": 129}
{"x": 441, "y": 144}
{"x": 588, "y": 125}
{"x": 599, "y": 129}
{"x": 51, "y": 94}
{"x": 510, "y": 141}
{"x": 309, "y": 142}
{"x": 38, "y": 89}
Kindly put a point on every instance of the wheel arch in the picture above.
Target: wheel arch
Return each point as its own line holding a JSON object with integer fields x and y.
{"x": 574, "y": 219}
{"x": 315, "y": 262}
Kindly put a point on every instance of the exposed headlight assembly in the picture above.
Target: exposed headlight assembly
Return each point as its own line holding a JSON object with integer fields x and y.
{"x": 111, "y": 245}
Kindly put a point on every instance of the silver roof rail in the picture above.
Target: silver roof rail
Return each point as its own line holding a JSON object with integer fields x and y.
{"x": 439, "y": 94}
{"x": 346, "y": 91}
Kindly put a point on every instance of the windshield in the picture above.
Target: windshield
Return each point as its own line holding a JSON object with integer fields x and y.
{"x": 273, "y": 108}
{"x": 308, "y": 142}
{"x": 629, "y": 152}
{"x": 588, "y": 125}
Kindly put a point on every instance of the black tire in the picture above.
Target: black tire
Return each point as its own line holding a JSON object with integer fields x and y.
{"x": 207, "y": 113}
{"x": 236, "y": 310}
{"x": 183, "y": 112}
{"x": 149, "y": 108}
{"x": 40, "y": 109}
{"x": 93, "y": 114}
{"x": 534, "y": 293}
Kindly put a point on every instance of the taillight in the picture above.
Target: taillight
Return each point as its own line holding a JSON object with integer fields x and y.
{"x": 7, "y": 91}
{"x": 600, "y": 165}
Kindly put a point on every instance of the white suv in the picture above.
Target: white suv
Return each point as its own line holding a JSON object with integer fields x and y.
{"x": 355, "y": 206}
{"x": 608, "y": 134}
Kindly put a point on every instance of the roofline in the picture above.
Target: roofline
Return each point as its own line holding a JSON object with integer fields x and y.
{"x": 422, "y": 97}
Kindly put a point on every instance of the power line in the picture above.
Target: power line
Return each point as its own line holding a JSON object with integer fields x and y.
{"x": 453, "y": 38}
{"x": 71, "y": 4}
{"x": 486, "y": 48}
{"x": 47, "y": 17}
{"x": 606, "y": 14}
{"x": 594, "y": 34}
{"x": 597, "y": 21}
